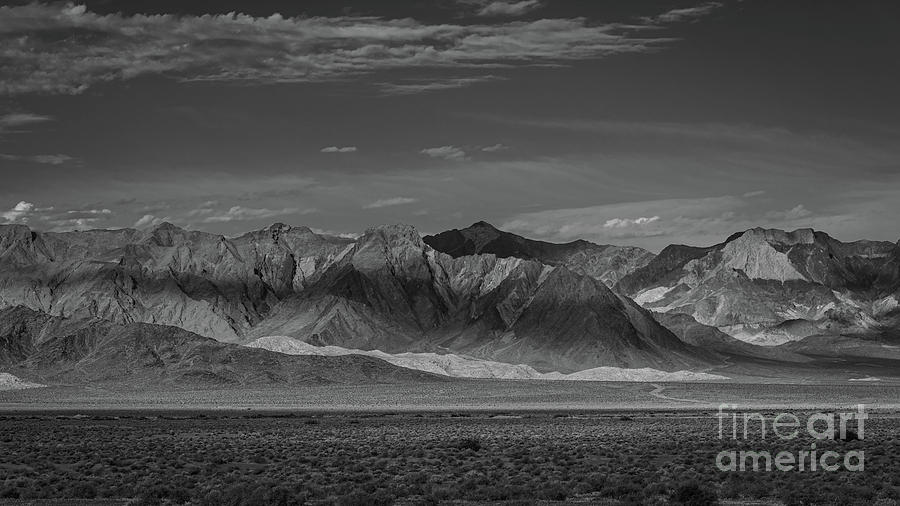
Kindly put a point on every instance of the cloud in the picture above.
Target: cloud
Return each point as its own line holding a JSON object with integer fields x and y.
{"x": 88, "y": 212}
{"x": 149, "y": 221}
{"x": 336, "y": 149}
{"x": 62, "y": 225}
{"x": 499, "y": 8}
{"x": 239, "y": 213}
{"x": 684, "y": 14}
{"x": 395, "y": 201}
{"x": 74, "y": 218}
{"x": 14, "y": 120}
{"x": 735, "y": 133}
{"x": 755, "y": 193}
{"x": 65, "y": 48}
{"x": 19, "y": 213}
{"x": 425, "y": 86}
{"x": 345, "y": 235}
{"x": 628, "y": 222}
{"x": 57, "y": 159}
{"x": 495, "y": 148}
{"x": 452, "y": 153}
{"x": 794, "y": 213}
{"x": 701, "y": 221}
{"x": 27, "y": 212}
{"x": 204, "y": 209}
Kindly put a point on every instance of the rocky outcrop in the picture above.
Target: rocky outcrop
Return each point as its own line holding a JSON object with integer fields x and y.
{"x": 208, "y": 284}
{"x": 771, "y": 286}
{"x": 606, "y": 263}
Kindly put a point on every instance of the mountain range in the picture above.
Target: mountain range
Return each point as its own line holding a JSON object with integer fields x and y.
{"x": 182, "y": 303}
{"x": 771, "y": 287}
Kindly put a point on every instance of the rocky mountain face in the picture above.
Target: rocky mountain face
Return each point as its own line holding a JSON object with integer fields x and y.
{"x": 204, "y": 283}
{"x": 55, "y": 350}
{"x": 606, "y": 263}
{"x": 394, "y": 293}
{"x": 388, "y": 290}
{"x": 770, "y": 286}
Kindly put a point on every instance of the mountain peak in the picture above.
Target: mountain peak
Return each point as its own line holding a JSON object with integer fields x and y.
{"x": 166, "y": 234}
{"x": 167, "y": 227}
{"x": 605, "y": 263}
{"x": 15, "y": 230}
{"x": 777, "y": 236}
{"x": 399, "y": 232}
{"x": 482, "y": 224}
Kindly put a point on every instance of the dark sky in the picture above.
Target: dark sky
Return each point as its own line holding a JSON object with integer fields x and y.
{"x": 624, "y": 122}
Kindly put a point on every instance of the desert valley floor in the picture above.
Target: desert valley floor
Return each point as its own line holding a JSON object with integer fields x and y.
{"x": 465, "y": 394}
{"x": 489, "y": 443}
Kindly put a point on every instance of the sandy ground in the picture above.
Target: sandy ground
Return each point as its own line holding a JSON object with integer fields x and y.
{"x": 465, "y": 395}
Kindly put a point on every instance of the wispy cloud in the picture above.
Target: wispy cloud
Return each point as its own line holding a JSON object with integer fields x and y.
{"x": 684, "y": 14}
{"x": 149, "y": 221}
{"x": 239, "y": 213}
{"x": 333, "y": 233}
{"x": 495, "y": 148}
{"x": 77, "y": 219}
{"x": 629, "y": 222}
{"x": 339, "y": 149}
{"x": 276, "y": 49}
{"x": 395, "y": 201}
{"x": 55, "y": 219}
{"x": 699, "y": 221}
{"x": 795, "y": 213}
{"x": 14, "y": 120}
{"x": 500, "y": 8}
{"x": 18, "y": 122}
{"x": 425, "y": 86}
{"x": 451, "y": 153}
{"x": 693, "y": 131}
{"x": 57, "y": 159}
{"x": 203, "y": 209}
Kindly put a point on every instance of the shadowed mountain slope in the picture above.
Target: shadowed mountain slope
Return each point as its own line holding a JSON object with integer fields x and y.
{"x": 56, "y": 350}
{"x": 604, "y": 262}
{"x": 208, "y": 284}
{"x": 393, "y": 293}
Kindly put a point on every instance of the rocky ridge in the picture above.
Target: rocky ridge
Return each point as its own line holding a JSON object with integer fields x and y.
{"x": 606, "y": 263}
{"x": 771, "y": 286}
{"x": 387, "y": 290}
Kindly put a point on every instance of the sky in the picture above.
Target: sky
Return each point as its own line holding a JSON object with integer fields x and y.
{"x": 619, "y": 122}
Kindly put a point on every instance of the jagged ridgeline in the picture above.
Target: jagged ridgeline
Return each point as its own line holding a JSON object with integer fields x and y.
{"x": 605, "y": 262}
{"x": 771, "y": 287}
{"x": 387, "y": 290}
{"x": 476, "y": 292}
